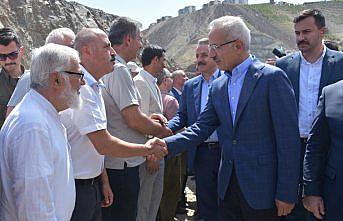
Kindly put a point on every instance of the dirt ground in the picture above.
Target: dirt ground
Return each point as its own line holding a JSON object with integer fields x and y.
{"x": 191, "y": 201}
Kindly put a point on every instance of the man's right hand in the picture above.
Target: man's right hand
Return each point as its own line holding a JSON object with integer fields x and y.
{"x": 157, "y": 149}
{"x": 315, "y": 205}
{"x": 165, "y": 132}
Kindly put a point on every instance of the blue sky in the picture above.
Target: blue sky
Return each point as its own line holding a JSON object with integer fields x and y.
{"x": 147, "y": 11}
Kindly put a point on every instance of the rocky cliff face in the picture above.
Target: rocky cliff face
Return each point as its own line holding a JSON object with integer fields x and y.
{"x": 34, "y": 19}
{"x": 271, "y": 25}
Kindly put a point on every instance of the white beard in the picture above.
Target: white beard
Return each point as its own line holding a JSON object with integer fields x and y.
{"x": 74, "y": 100}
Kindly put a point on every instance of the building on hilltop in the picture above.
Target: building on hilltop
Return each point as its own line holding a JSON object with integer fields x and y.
{"x": 241, "y": 2}
{"x": 187, "y": 10}
{"x": 215, "y": 2}
{"x": 164, "y": 18}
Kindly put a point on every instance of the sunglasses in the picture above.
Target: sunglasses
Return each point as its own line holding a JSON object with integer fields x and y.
{"x": 13, "y": 55}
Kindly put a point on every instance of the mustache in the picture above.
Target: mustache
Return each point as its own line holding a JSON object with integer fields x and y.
{"x": 11, "y": 63}
{"x": 302, "y": 42}
{"x": 201, "y": 63}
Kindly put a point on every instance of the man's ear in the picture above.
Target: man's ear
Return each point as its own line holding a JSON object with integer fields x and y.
{"x": 238, "y": 45}
{"x": 154, "y": 60}
{"x": 21, "y": 50}
{"x": 127, "y": 40}
{"x": 322, "y": 31}
{"x": 86, "y": 51}
{"x": 54, "y": 80}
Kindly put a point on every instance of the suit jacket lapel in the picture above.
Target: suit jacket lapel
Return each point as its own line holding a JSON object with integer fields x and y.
{"x": 176, "y": 94}
{"x": 197, "y": 96}
{"x": 327, "y": 68}
{"x": 250, "y": 80}
{"x": 294, "y": 74}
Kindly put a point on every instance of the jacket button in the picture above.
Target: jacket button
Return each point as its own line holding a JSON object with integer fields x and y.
{"x": 234, "y": 141}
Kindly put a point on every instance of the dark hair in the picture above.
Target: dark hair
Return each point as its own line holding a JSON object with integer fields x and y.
{"x": 331, "y": 45}
{"x": 315, "y": 13}
{"x": 122, "y": 27}
{"x": 7, "y": 35}
{"x": 150, "y": 53}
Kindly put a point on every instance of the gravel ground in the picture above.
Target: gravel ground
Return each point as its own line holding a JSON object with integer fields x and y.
{"x": 191, "y": 201}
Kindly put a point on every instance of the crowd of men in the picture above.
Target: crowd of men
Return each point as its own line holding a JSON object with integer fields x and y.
{"x": 89, "y": 135}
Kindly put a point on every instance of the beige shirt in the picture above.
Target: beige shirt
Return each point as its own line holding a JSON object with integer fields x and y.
{"x": 119, "y": 93}
{"x": 150, "y": 93}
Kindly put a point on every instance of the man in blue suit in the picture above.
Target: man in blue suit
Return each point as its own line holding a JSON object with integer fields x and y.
{"x": 253, "y": 108}
{"x": 323, "y": 162}
{"x": 206, "y": 156}
{"x": 310, "y": 69}
{"x": 179, "y": 78}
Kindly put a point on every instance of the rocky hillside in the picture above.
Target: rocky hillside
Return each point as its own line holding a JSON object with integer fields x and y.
{"x": 271, "y": 26}
{"x": 34, "y": 19}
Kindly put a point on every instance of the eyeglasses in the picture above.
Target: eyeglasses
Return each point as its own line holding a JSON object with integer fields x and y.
{"x": 215, "y": 47}
{"x": 81, "y": 75}
{"x": 13, "y": 55}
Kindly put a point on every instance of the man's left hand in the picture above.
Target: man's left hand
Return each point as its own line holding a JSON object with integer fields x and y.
{"x": 108, "y": 195}
{"x": 159, "y": 118}
{"x": 283, "y": 208}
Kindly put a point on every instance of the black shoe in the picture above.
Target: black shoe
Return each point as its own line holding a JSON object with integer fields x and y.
{"x": 195, "y": 217}
{"x": 181, "y": 210}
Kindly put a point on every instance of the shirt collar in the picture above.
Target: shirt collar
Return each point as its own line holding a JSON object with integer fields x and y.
{"x": 121, "y": 60}
{"x": 240, "y": 69}
{"x": 90, "y": 80}
{"x": 179, "y": 92}
{"x": 214, "y": 76}
{"x": 42, "y": 101}
{"x": 148, "y": 76}
{"x": 304, "y": 61}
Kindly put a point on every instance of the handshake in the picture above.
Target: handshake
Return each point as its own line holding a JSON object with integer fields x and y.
{"x": 157, "y": 149}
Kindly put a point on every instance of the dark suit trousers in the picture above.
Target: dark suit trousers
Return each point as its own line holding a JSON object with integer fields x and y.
{"x": 125, "y": 187}
{"x": 206, "y": 173}
{"x": 299, "y": 213}
{"x": 88, "y": 201}
{"x": 235, "y": 208}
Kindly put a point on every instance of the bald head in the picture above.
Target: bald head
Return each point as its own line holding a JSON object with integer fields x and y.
{"x": 95, "y": 50}
{"x": 86, "y": 38}
{"x": 61, "y": 36}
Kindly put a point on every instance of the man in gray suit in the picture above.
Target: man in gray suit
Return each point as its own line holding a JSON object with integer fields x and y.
{"x": 309, "y": 69}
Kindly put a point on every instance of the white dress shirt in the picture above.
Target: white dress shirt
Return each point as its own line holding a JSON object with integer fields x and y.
{"x": 309, "y": 81}
{"x": 36, "y": 172}
{"x": 91, "y": 117}
{"x": 205, "y": 88}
